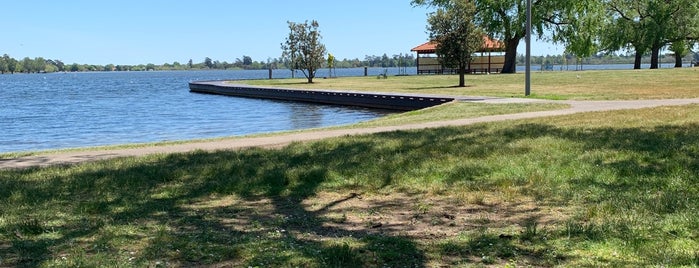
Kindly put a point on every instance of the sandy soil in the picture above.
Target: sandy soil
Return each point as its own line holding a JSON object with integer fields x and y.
{"x": 284, "y": 139}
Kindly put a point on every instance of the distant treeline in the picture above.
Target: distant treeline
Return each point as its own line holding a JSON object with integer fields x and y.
{"x": 598, "y": 59}
{"x": 42, "y": 65}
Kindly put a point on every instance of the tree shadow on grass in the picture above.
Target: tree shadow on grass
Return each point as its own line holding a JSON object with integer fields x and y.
{"x": 153, "y": 197}
{"x": 174, "y": 209}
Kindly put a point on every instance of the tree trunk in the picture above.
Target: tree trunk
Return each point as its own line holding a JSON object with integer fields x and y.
{"x": 654, "y": 57}
{"x": 637, "y": 60}
{"x": 311, "y": 75}
{"x": 510, "y": 66}
{"x": 462, "y": 76}
{"x": 678, "y": 60}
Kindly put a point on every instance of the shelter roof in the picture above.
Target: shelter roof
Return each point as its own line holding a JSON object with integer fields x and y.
{"x": 489, "y": 44}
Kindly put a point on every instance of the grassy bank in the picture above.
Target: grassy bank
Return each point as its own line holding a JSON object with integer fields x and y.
{"x": 600, "y": 189}
{"x": 582, "y": 85}
{"x": 458, "y": 110}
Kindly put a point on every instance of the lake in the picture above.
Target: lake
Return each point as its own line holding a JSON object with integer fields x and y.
{"x": 68, "y": 110}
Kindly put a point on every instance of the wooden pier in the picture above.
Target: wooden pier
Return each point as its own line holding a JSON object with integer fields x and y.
{"x": 403, "y": 102}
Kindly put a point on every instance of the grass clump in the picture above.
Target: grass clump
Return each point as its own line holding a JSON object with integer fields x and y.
{"x": 599, "y": 189}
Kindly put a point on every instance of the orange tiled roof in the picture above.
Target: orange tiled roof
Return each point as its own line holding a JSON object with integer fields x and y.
{"x": 489, "y": 44}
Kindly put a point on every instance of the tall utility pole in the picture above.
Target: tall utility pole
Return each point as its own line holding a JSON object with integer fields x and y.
{"x": 528, "y": 71}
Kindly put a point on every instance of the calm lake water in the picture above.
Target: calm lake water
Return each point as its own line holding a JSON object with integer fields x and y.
{"x": 68, "y": 110}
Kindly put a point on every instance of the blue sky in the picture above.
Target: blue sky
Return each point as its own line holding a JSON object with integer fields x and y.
{"x": 157, "y": 31}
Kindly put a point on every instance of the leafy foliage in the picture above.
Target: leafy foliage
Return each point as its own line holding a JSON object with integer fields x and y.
{"x": 457, "y": 35}
{"x": 303, "y": 49}
{"x": 649, "y": 25}
{"x": 506, "y": 19}
{"x": 588, "y": 26}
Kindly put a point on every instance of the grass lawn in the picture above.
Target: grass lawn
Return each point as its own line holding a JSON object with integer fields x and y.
{"x": 582, "y": 85}
{"x": 597, "y": 189}
{"x": 457, "y": 110}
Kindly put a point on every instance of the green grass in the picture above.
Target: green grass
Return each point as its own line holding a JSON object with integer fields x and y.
{"x": 582, "y": 85}
{"x": 598, "y": 189}
{"x": 458, "y": 110}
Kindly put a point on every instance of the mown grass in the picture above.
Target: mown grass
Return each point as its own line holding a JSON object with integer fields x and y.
{"x": 581, "y": 85}
{"x": 458, "y": 110}
{"x": 603, "y": 189}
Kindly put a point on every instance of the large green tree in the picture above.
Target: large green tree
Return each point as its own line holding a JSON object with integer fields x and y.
{"x": 456, "y": 34}
{"x": 208, "y": 62}
{"x": 506, "y": 19}
{"x": 580, "y": 27}
{"x": 649, "y": 25}
{"x": 680, "y": 48}
{"x": 303, "y": 49}
{"x": 625, "y": 33}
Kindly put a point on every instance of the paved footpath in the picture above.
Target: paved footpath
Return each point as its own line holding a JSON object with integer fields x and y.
{"x": 276, "y": 141}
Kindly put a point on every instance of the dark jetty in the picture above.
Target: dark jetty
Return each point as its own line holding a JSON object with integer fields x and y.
{"x": 403, "y": 102}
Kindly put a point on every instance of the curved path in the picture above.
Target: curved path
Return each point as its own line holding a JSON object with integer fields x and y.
{"x": 285, "y": 139}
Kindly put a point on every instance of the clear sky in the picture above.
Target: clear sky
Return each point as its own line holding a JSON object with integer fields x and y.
{"x": 164, "y": 31}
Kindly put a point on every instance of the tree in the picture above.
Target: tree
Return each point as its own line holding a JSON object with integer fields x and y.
{"x": 303, "y": 48}
{"x": 27, "y": 65}
{"x": 60, "y": 65}
{"x": 12, "y": 65}
{"x": 649, "y": 25}
{"x": 506, "y": 19}
{"x": 680, "y": 49}
{"x": 74, "y": 67}
{"x": 624, "y": 32}
{"x": 208, "y": 63}
{"x": 247, "y": 60}
{"x": 456, "y": 35}
{"x": 4, "y": 62}
{"x": 581, "y": 32}
{"x": 385, "y": 61}
{"x": 288, "y": 56}
{"x": 331, "y": 64}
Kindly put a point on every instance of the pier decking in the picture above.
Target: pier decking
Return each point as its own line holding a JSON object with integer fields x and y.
{"x": 404, "y": 102}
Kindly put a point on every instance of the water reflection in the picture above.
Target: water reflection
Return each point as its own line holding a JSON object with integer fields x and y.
{"x": 305, "y": 116}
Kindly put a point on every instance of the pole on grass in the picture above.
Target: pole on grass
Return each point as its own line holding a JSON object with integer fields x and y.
{"x": 528, "y": 71}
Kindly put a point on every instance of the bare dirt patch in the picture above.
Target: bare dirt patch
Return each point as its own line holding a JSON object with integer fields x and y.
{"x": 418, "y": 217}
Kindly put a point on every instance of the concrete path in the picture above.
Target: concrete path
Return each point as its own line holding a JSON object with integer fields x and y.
{"x": 281, "y": 140}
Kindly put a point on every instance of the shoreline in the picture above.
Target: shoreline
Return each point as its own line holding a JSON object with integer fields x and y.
{"x": 283, "y": 139}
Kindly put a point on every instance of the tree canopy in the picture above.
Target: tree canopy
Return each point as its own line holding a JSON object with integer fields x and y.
{"x": 456, "y": 34}
{"x": 587, "y": 26}
{"x": 649, "y": 25}
{"x": 506, "y": 20}
{"x": 303, "y": 49}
